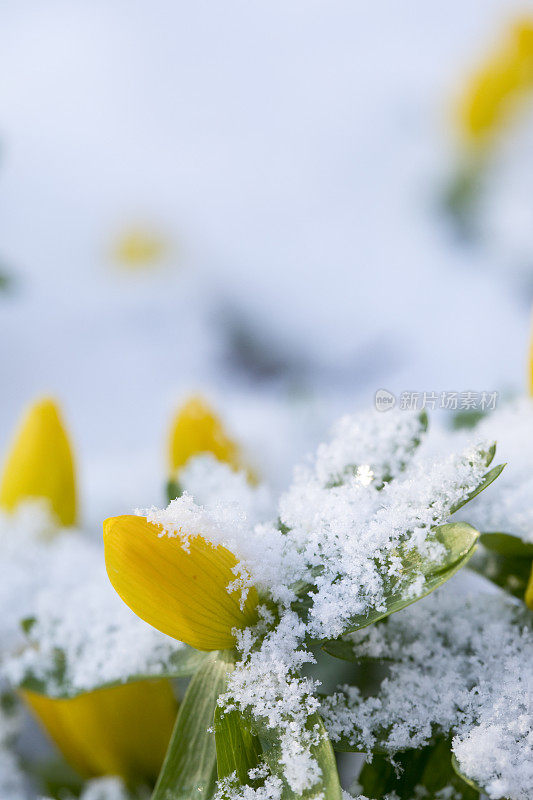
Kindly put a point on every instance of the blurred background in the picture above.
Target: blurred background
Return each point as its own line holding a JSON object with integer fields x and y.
{"x": 284, "y": 205}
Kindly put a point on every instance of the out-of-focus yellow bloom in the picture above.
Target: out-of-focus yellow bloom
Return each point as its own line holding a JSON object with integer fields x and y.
{"x": 197, "y": 429}
{"x": 139, "y": 248}
{"x": 495, "y": 90}
{"x": 181, "y": 591}
{"x": 40, "y": 464}
{"x": 123, "y": 730}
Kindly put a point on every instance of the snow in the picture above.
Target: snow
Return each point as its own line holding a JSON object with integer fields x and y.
{"x": 478, "y": 653}
{"x": 73, "y": 610}
{"x": 508, "y": 505}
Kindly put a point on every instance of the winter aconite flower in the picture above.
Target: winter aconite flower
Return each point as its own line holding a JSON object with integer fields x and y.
{"x": 40, "y": 464}
{"x": 139, "y": 248}
{"x": 181, "y": 589}
{"x": 494, "y": 92}
{"x": 197, "y": 429}
{"x": 123, "y": 730}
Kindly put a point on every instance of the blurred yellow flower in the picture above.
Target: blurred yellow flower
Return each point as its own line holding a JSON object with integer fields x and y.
{"x": 139, "y": 248}
{"x": 123, "y": 730}
{"x": 40, "y": 464}
{"x": 197, "y": 429}
{"x": 494, "y": 91}
{"x": 180, "y": 590}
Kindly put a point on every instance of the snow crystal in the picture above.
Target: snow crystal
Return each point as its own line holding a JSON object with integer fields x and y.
{"x": 459, "y": 666}
{"x": 213, "y": 483}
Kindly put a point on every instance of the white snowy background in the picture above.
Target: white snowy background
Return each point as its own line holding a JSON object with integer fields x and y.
{"x": 293, "y": 155}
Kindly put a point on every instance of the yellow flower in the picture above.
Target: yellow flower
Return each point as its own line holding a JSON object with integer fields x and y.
{"x": 123, "y": 730}
{"x": 495, "y": 90}
{"x": 197, "y": 429}
{"x": 179, "y": 590}
{"x": 40, "y": 464}
{"x": 139, "y": 248}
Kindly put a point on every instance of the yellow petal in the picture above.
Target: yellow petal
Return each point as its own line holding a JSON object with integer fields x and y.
{"x": 182, "y": 593}
{"x": 493, "y": 93}
{"x": 529, "y": 591}
{"x": 197, "y": 429}
{"x": 139, "y": 248}
{"x": 123, "y": 730}
{"x": 40, "y": 464}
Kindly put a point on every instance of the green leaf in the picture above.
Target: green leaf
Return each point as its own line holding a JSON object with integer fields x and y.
{"x": 429, "y": 768}
{"x": 238, "y": 748}
{"x": 488, "y": 478}
{"x": 173, "y": 490}
{"x": 509, "y": 573}
{"x": 467, "y": 419}
{"x": 27, "y": 624}
{"x": 458, "y": 538}
{"x": 55, "y": 778}
{"x": 505, "y": 544}
{"x": 469, "y": 781}
{"x": 328, "y": 787}
{"x": 190, "y": 766}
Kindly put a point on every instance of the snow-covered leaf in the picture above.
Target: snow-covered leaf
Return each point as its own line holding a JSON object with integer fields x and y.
{"x": 327, "y": 786}
{"x": 459, "y": 540}
{"x": 180, "y": 663}
{"x": 489, "y": 478}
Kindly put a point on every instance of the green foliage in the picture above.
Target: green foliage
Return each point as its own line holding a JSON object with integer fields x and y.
{"x": 510, "y": 574}
{"x": 506, "y": 561}
{"x": 505, "y": 544}
{"x": 173, "y": 490}
{"x": 467, "y": 419}
{"x": 429, "y": 769}
{"x": 238, "y": 748}
{"x": 190, "y": 766}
